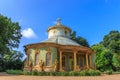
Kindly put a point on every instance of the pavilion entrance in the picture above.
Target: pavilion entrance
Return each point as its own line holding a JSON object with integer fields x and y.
{"x": 81, "y": 61}
{"x": 68, "y": 61}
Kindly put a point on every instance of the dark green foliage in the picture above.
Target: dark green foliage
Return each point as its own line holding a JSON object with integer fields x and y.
{"x": 11, "y": 60}
{"x": 34, "y": 73}
{"x": 17, "y": 72}
{"x": 103, "y": 57}
{"x": 90, "y": 73}
{"x": 116, "y": 72}
{"x": 116, "y": 61}
{"x": 109, "y": 72}
{"x": 94, "y": 72}
{"x": 83, "y": 73}
{"x": 108, "y": 52}
{"x": 41, "y": 73}
{"x": 64, "y": 73}
{"x": 112, "y": 41}
{"x": 82, "y": 41}
{"x": 72, "y": 73}
{"x": 10, "y": 34}
{"x": 27, "y": 73}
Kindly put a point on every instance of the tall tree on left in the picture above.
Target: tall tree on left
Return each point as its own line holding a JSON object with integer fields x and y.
{"x": 10, "y": 35}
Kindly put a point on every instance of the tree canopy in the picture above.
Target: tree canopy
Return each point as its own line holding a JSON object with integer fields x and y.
{"x": 11, "y": 61}
{"x": 108, "y": 52}
{"x": 103, "y": 57}
{"x": 80, "y": 40}
{"x": 10, "y": 34}
{"x": 112, "y": 41}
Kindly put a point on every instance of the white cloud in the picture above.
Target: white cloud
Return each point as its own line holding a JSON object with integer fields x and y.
{"x": 28, "y": 33}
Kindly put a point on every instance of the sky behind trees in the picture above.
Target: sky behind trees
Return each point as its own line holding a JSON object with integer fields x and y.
{"x": 91, "y": 19}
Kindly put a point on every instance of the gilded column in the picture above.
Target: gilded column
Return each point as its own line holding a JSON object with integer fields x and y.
{"x": 90, "y": 61}
{"x": 87, "y": 64}
{"x": 75, "y": 61}
{"x": 61, "y": 60}
{"x": 28, "y": 57}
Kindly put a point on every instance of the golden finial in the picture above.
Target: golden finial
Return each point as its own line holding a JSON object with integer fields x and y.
{"x": 58, "y": 21}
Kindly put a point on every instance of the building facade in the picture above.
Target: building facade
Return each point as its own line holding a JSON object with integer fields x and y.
{"x": 58, "y": 52}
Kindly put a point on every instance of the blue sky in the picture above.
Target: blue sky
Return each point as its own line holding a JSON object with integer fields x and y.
{"x": 91, "y": 19}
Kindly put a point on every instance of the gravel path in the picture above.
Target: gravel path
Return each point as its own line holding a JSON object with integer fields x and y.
{"x": 4, "y": 76}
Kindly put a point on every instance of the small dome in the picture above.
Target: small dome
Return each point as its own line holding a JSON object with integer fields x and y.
{"x": 58, "y": 30}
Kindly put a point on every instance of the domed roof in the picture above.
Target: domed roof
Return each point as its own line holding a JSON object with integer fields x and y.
{"x": 61, "y": 40}
{"x": 59, "y": 34}
{"x": 58, "y": 25}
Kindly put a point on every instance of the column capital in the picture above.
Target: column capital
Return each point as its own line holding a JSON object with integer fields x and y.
{"x": 28, "y": 51}
{"x": 75, "y": 50}
{"x": 60, "y": 49}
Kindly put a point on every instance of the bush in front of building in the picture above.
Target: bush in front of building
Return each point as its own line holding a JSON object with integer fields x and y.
{"x": 83, "y": 73}
{"x": 42, "y": 73}
{"x": 27, "y": 73}
{"x": 71, "y": 73}
{"x": 34, "y": 73}
{"x": 17, "y": 72}
{"x": 109, "y": 72}
{"x": 93, "y": 72}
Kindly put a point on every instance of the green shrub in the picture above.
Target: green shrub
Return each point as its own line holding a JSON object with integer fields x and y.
{"x": 109, "y": 72}
{"x": 64, "y": 74}
{"x": 93, "y": 72}
{"x": 98, "y": 73}
{"x": 73, "y": 73}
{"x": 1, "y": 69}
{"x": 18, "y": 72}
{"x": 58, "y": 73}
{"x": 34, "y": 72}
{"x": 42, "y": 73}
{"x": 89, "y": 73}
{"x": 47, "y": 73}
{"x": 115, "y": 72}
{"x": 27, "y": 73}
{"x": 83, "y": 73}
{"x": 52, "y": 73}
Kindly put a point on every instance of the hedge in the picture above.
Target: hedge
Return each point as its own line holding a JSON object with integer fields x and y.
{"x": 71, "y": 73}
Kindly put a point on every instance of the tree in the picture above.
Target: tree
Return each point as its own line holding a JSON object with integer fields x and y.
{"x": 10, "y": 34}
{"x": 13, "y": 60}
{"x": 82, "y": 41}
{"x": 112, "y": 41}
{"x": 116, "y": 61}
{"x": 103, "y": 57}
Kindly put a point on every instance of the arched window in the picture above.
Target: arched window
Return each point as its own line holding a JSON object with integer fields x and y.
{"x": 37, "y": 57}
{"x": 48, "y": 59}
{"x": 28, "y": 57}
{"x": 66, "y": 32}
